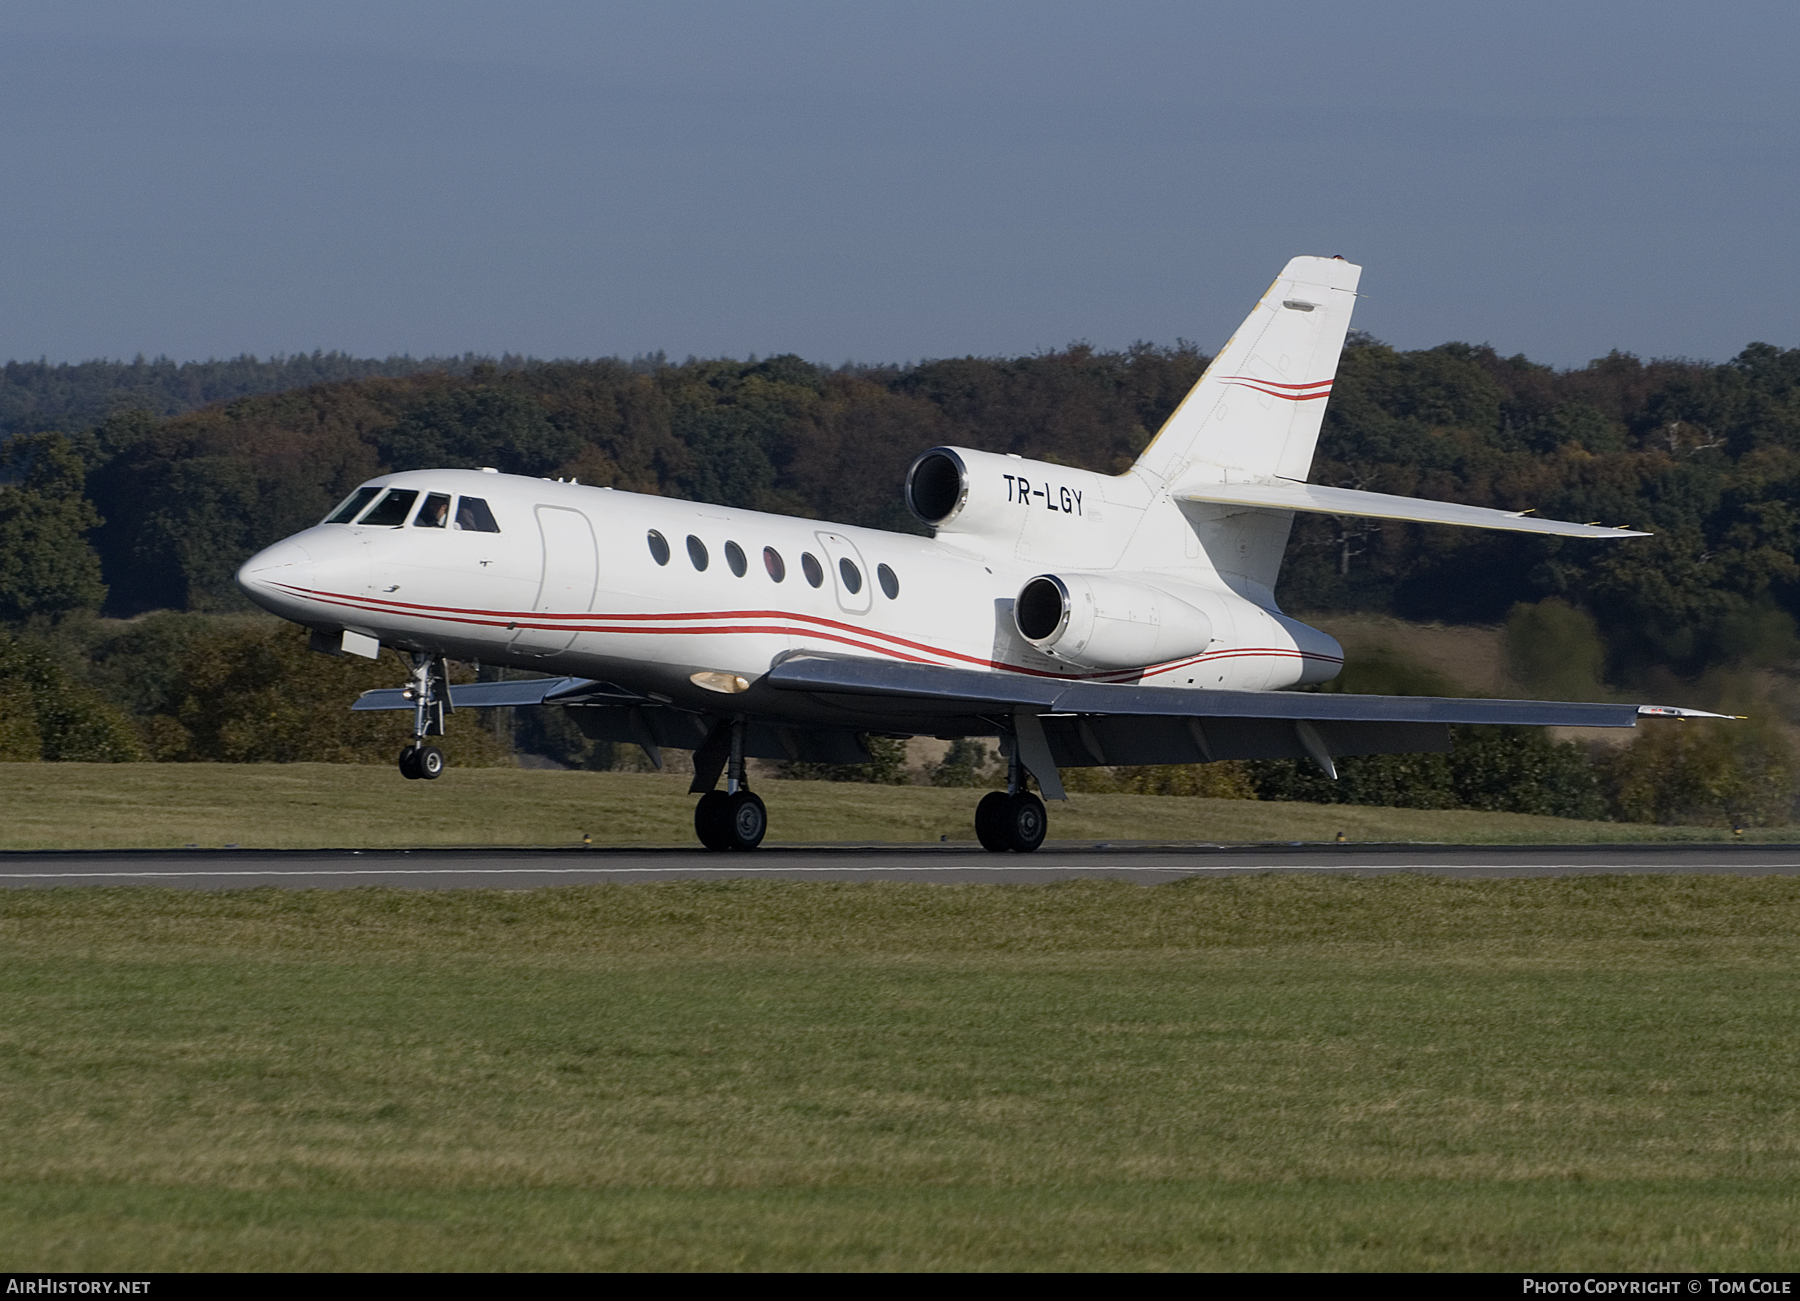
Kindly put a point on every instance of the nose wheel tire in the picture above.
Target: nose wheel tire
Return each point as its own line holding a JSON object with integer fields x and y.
{"x": 1010, "y": 822}
{"x": 422, "y": 761}
{"x": 731, "y": 822}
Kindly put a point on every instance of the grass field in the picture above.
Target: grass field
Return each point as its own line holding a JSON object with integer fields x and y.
{"x": 1248, "y": 1073}
{"x": 114, "y": 806}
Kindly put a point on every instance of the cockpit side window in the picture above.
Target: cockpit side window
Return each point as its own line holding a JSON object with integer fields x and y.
{"x": 391, "y": 511}
{"x": 435, "y": 513}
{"x": 352, "y": 506}
{"x": 472, "y": 513}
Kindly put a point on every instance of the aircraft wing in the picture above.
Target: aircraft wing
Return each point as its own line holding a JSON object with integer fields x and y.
{"x": 927, "y": 683}
{"x": 1318, "y": 499}
{"x": 1063, "y": 723}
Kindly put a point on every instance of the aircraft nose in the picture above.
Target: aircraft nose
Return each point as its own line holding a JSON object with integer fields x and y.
{"x": 269, "y": 566}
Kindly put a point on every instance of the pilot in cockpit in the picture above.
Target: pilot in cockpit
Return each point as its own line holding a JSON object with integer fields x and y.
{"x": 435, "y": 513}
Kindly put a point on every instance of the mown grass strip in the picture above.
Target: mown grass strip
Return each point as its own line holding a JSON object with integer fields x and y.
{"x": 1236, "y": 1073}
{"x": 307, "y": 806}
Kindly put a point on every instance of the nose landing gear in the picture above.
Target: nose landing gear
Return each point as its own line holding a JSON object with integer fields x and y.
{"x": 734, "y": 818}
{"x": 430, "y": 693}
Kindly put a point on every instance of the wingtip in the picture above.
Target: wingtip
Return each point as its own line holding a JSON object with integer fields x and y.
{"x": 1673, "y": 711}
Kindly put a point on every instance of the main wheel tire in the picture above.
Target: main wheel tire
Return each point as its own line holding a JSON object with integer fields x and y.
{"x": 430, "y": 761}
{"x": 990, "y": 822}
{"x": 409, "y": 764}
{"x": 1026, "y": 822}
{"x": 709, "y": 821}
{"x": 746, "y": 820}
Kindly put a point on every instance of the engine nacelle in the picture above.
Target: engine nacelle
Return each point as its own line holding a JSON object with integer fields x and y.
{"x": 1108, "y": 623}
{"x": 961, "y": 491}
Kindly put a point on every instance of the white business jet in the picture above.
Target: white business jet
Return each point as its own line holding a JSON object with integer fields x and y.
{"x": 1079, "y": 618}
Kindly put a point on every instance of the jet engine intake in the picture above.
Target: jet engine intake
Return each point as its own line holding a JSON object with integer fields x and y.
{"x": 1008, "y": 505}
{"x": 937, "y": 486}
{"x": 1108, "y": 623}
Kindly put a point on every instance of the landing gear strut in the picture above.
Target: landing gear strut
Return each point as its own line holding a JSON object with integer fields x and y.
{"x": 734, "y": 818}
{"x": 1014, "y": 818}
{"x": 429, "y": 691}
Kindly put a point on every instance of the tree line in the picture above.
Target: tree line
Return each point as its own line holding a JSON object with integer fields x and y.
{"x": 139, "y": 487}
{"x": 39, "y": 396}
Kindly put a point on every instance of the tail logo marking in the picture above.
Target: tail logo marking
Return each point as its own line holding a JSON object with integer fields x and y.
{"x": 1319, "y": 388}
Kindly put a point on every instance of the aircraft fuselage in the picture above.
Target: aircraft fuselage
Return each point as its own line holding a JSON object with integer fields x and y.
{"x": 575, "y": 581}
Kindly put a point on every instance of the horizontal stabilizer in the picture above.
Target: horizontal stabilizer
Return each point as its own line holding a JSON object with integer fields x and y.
{"x": 491, "y": 695}
{"x": 1320, "y": 500}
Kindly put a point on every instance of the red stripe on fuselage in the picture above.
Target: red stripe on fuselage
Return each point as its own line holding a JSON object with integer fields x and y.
{"x": 826, "y": 629}
{"x": 531, "y": 619}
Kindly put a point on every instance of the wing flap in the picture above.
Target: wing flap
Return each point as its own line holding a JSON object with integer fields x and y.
{"x": 1320, "y": 500}
{"x": 1078, "y": 741}
{"x": 918, "y": 684}
{"x": 489, "y": 695}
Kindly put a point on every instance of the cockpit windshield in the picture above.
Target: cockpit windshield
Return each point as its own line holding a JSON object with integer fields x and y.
{"x": 352, "y": 506}
{"x": 472, "y": 513}
{"x": 391, "y": 511}
{"x": 435, "y": 513}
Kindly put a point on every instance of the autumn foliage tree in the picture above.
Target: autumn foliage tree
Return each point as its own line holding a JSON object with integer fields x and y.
{"x": 47, "y": 566}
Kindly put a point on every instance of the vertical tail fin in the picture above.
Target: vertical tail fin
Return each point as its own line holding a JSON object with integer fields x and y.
{"x": 1256, "y": 412}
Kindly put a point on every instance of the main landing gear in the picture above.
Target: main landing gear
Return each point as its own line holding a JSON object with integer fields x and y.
{"x": 425, "y": 761}
{"x": 429, "y": 691}
{"x": 734, "y": 818}
{"x": 1013, "y": 819}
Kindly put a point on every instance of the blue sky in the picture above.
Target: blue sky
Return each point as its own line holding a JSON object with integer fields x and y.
{"x": 886, "y": 182}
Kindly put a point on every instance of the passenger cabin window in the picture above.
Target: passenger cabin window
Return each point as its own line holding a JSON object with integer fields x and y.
{"x": 659, "y": 547}
{"x": 435, "y": 513}
{"x": 734, "y": 556}
{"x": 890, "y": 582}
{"x": 391, "y": 511}
{"x": 352, "y": 506}
{"x": 697, "y": 552}
{"x": 809, "y": 565}
{"x": 473, "y": 515}
{"x": 773, "y": 562}
{"x": 852, "y": 576}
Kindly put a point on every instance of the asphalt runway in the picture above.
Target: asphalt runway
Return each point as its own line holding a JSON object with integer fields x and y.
{"x": 1146, "y": 864}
